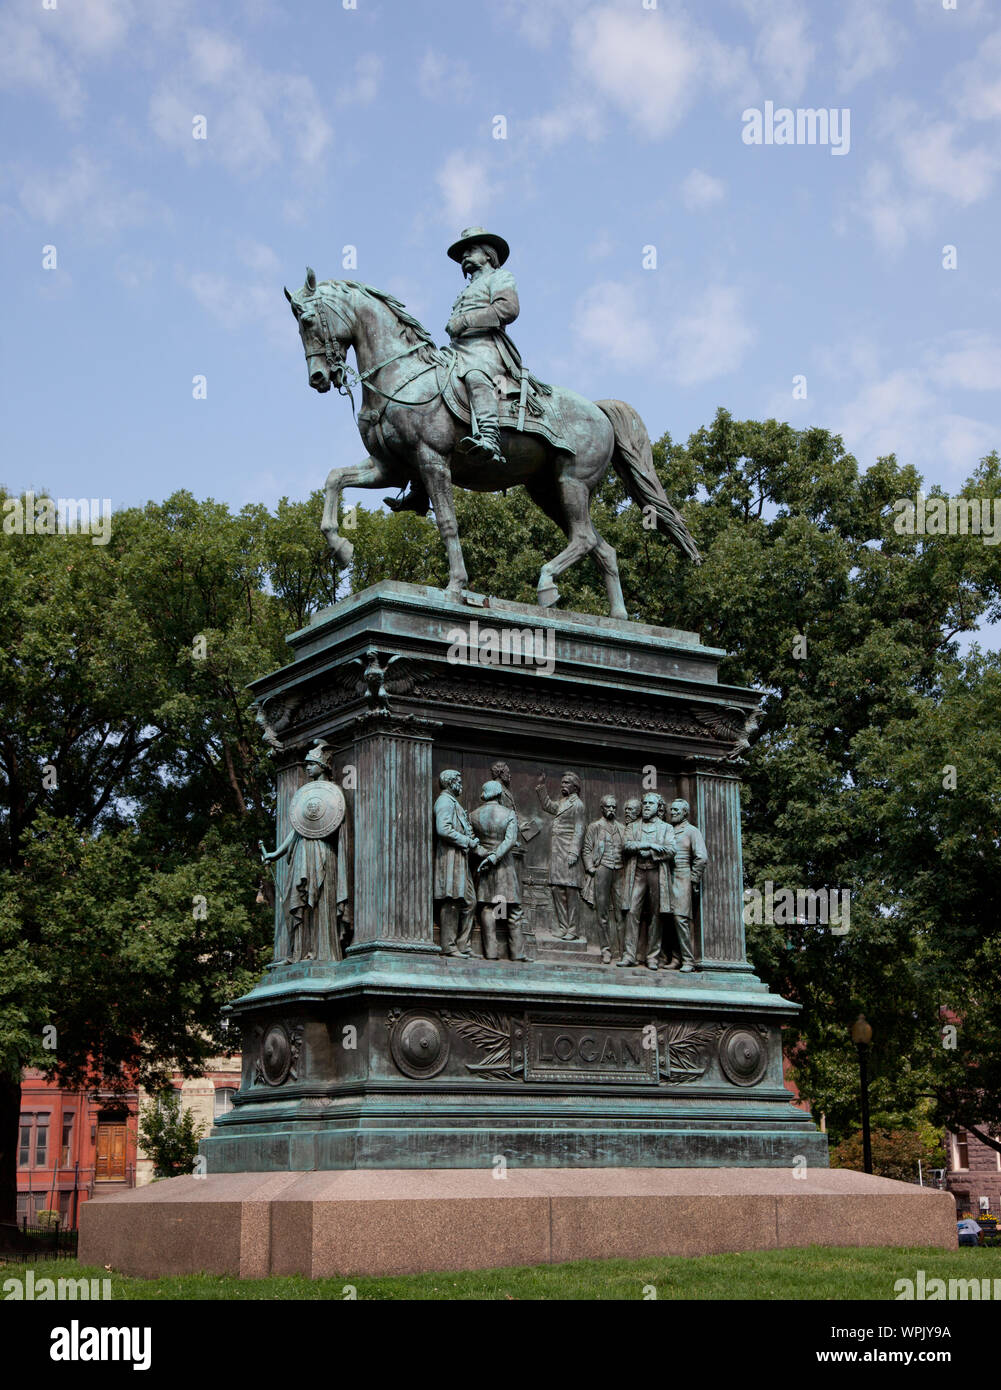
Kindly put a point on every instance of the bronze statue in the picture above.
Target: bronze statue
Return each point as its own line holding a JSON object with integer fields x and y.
{"x": 500, "y": 772}
{"x": 454, "y": 894}
{"x": 314, "y": 909}
{"x": 631, "y": 810}
{"x": 415, "y": 411}
{"x": 648, "y": 847}
{"x": 497, "y": 887}
{"x": 690, "y": 860}
{"x": 603, "y": 863}
{"x": 565, "y": 877}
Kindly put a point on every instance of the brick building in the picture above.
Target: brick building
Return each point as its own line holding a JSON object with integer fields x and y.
{"x": 74, "y": 1145}
{"x": 973, "y": 1173}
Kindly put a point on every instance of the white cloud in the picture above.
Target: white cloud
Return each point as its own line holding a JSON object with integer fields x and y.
{"x": 241, "y": 302}
{"x": 465, "y": 188}
{"x": 29, "y": 61}
{"x": 704, "y": 340}
{"x": 650, "y": 65}
{"x": 933, "y": 161}
{"x": 868, "y": 41}
{"x": 611, "y": 318}
{"x": 975, "y": 86}
{"x": 700, "y": 190}
{"x": 911, "y": 410}
{"x": 932, "y": 169}
{"x": 441, "y": 78}
{"x": 783, "y": 52}
{"x": 711, "y": 339}
{"x": 889, "y": 214}
{"x": 968, "y": 360}
{"x": 254, "y": 118}
{"x": 363, "y": 87}
{"x": 82, "y": 195}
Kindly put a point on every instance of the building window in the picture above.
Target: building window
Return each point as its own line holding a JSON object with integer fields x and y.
{"x": 33, "y": 1141}
{"x": 222, "y": 1100}
{"x": 66, "y": 1146}
{"x": 961, "y": 1146}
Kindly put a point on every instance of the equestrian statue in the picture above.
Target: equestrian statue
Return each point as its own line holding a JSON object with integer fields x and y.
{"x": 472, "y": 415}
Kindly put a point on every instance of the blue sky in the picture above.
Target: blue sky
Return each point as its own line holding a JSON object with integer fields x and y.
{"x": 374, "y": 127}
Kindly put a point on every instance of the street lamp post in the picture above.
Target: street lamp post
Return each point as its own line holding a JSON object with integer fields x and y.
{"x": 862, "y": 1037}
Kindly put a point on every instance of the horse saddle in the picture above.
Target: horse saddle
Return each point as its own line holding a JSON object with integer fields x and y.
{"x": 519, "y": 405}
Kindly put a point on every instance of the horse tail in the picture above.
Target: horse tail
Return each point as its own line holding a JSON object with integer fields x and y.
{"x": 632, "y": 459}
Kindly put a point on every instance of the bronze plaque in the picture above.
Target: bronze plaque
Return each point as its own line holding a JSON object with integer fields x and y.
{"x": 590, "y": 1052}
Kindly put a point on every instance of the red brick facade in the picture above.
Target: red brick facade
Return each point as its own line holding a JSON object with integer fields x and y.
{"x": 973, "y": 1171}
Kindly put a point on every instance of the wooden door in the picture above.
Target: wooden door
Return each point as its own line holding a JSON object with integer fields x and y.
{"x": 111, "y": 1151}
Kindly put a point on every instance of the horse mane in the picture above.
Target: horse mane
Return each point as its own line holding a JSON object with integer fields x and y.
{"x": 413, "y": 330}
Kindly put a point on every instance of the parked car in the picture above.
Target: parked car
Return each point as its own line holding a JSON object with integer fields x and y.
{"x": 969, "y": 1232}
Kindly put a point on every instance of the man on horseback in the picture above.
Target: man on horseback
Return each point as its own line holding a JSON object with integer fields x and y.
{"x": 476, "y": 327}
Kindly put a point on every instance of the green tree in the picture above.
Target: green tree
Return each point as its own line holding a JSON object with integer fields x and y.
{"x": 169, "y": 1133}
{"x": 134, "y": 785}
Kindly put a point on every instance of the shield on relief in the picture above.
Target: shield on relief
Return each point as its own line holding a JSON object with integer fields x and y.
{"x": 317, "y": 809}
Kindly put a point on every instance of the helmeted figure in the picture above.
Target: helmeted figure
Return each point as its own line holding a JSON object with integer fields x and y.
{"x": 454, "y": 893}
{"x": 497, "y": 886}
{"x": 603, "y": 864}
{"x": 476, "y": 328}
{"x": 314, "y": 908}
{"x": 648, "y": 847}
{"x": 565, "y": 873}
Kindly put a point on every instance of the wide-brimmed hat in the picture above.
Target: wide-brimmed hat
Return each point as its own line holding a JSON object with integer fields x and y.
{"x": 473, "y": 236}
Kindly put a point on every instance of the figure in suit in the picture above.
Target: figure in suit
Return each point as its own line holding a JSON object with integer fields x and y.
{"x": 454, "y": 895}
{"x": 603, "y": 861}
{"x": 497, "y": 887}
{"x": 565, "y": 875}
{"x": 648, "y": 848}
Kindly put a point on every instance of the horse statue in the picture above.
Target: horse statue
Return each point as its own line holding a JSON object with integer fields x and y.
{"x": 410, "y": 426}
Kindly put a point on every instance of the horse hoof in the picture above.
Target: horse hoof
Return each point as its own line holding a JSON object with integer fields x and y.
{"x": 342, "y": 551}
{"x": 548, "y": 596}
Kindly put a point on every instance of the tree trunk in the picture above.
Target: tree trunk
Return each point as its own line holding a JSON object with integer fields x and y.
{"x": 10, "y": 1116}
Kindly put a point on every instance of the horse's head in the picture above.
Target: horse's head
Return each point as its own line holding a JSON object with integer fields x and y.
{"x": 319, "y": 326}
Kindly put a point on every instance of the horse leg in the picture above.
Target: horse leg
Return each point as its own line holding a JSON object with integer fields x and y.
{"x": 370, "y": 473}
{"x": 573, "y": 514}
{"x": 438, "y": 484}
{"x": 605, "y": 558}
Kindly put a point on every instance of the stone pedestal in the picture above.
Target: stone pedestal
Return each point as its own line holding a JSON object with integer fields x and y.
{"x": 407, "y": 1222}
{"x": 400, "y": 1057}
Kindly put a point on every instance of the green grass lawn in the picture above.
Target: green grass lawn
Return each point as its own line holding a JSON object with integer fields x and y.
{"x": 813, "y": 1273}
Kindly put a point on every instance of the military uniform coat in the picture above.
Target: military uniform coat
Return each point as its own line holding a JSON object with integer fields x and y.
{"x": 497, "y": 828}
{"x": 690, "y": 860}
{"x": 485, "y": 305}
{"x": 453, "y": 837}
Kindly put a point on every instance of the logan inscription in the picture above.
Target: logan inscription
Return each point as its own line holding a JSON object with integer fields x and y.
{"x": 570, "y": 1052}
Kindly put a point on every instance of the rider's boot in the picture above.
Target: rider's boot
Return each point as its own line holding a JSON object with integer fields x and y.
{"x": 484, "y": 446}
{"x": 416, "y": 500}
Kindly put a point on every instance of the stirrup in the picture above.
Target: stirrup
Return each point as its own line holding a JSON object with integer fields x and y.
{"x": 479, "y": 447}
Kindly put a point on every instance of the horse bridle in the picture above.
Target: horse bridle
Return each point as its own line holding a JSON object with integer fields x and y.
{"x": 335, "y": 359}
